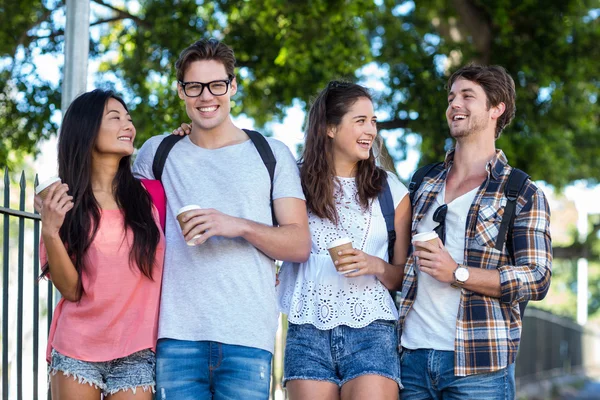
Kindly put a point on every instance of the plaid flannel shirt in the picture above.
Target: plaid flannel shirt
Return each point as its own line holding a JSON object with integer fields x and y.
{"x": 488, "y": 330}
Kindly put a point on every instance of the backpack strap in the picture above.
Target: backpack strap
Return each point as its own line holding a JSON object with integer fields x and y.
{"x": 386, "y": 202}
{"x": 420, "y": 174}
{"x": 157, "y": 195}
{"x": 266, "y": 154}
{"x": 512, "y": 188}
{"x": 259, "y": 141}
{"x": 160, "y": 158}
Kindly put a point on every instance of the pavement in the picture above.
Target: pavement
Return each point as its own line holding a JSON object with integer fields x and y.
{"x": 589, "y": 391}
{"x": 573, "y": 387}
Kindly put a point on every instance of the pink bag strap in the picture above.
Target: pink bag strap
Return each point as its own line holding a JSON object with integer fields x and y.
{"x": 157, "y": 194}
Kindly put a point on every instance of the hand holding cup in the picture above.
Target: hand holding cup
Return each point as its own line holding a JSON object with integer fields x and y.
{"x": 337, "y": 246}
{"x": 53, "y": 198}
{"x": 180, "y": 218}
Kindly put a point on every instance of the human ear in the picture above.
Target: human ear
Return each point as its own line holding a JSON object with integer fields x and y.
{"x": 331, "y": 131}
{"x": 498, "y": 110}
{"x": 233, "y": 86}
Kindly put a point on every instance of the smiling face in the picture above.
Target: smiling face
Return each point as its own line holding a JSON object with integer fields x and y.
{"x": 353, "y": 137}
{"x": 116, "y": 132}
{"x": 468, "y": 110}
{"x": 207, "y": 111}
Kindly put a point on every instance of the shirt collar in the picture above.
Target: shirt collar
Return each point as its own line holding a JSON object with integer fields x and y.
{"x": 495, "y": 166}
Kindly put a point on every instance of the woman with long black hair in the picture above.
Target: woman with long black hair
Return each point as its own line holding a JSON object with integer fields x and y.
{"x": 103, "y": 249}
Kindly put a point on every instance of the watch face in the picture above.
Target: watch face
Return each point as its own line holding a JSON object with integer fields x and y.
{"x": 462, "y": 274}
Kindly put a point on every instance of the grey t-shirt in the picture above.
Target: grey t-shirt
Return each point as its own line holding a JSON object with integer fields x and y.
{"x": 224, "y": 289}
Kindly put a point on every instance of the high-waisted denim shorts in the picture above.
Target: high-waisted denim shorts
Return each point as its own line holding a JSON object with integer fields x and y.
{"x": 135, "y": 371}
{"x": 341, "y": 354}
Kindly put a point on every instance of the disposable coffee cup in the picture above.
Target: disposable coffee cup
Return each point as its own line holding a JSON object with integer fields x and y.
{"x": 43, "y": 188}
{"x": 430, "y": 237}
{"x": 338, "y": 245}
{"x": 180, "y": 214}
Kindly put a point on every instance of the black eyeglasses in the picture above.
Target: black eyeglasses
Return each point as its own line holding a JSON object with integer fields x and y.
{"x": 439, "y": 216}
{"x": 216, "y": 88}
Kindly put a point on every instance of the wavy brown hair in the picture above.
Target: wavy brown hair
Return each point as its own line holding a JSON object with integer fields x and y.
{"x": 317, "y": 171}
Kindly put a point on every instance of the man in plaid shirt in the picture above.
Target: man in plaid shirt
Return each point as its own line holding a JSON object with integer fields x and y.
{"x": 459, "y": 314}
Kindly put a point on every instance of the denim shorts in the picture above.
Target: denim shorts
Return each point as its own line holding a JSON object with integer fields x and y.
{"x": 131, "y": 372}
{"x": 341, "y": 354}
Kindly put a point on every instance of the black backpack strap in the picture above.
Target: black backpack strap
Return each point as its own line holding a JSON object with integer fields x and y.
{"x": 512, "y": 188}
{"x": 420, "y": 174}
{"x": 268, "y": 158}
{"x": 386, "y": 202}
{"x": 259, "y": 141}
{"x": 160, "y": 158}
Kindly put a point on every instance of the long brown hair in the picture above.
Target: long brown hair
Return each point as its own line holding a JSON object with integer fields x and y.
{"x": 317, "y": 171}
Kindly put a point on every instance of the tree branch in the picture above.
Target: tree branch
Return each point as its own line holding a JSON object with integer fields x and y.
{"x": 25, "y": 39}
{"x": 393, "y": 124}
{"x": 123, "y": 14}
{"x": 474, "y": 22}
{"x": 579, "y": 250}
{"x": 61, "y": 32}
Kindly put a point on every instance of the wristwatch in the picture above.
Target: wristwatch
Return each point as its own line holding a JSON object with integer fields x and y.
{"x": 461, "y": 274}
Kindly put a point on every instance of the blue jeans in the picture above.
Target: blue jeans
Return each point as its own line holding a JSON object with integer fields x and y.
{"x": 211, "y": 370}
{"x": 429, "y": 374}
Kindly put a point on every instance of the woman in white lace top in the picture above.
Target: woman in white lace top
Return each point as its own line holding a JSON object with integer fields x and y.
{"x": 342, "y": 340}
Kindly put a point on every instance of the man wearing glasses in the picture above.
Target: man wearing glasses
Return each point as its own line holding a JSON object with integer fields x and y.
{"x": 218, "y": 314}
{"x": 461, "y": 326}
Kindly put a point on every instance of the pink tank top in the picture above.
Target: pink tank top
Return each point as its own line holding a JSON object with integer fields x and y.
{"x": 118, "y": 313}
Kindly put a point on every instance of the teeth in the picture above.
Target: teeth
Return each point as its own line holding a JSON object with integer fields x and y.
{"x": 457, "y": 117}
{"x": 124, "y": 139}
{"x": 208, "y": 109}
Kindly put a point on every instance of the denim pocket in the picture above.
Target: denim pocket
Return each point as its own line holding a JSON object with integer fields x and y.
{"x": 384, "y": 323}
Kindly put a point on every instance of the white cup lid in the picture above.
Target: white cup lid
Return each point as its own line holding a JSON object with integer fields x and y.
{"x": 46, "y": 183}
{"x": 424, "y": 237}
{"x": 188, "y": 208}
{"x": 339, "y": 242}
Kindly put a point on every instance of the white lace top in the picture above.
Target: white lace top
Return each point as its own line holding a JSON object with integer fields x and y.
{"x": 314, "y": 292}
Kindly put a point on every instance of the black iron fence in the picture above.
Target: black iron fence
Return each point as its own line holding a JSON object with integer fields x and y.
{"x": 550, "y": 345}
{"x": 24, "y": 312}
{"x": 555, "y": 346}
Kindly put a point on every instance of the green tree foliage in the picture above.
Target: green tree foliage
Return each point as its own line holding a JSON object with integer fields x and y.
{"x": 288, "y": 50}
{"x": 549, "y": 47}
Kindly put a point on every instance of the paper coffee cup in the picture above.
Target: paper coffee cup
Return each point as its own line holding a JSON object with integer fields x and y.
{"x": 180, "y": 214}
{"x": 339, "y": 245}
{"x": 42, "y": 189}
{"x": 430, "y": 237}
